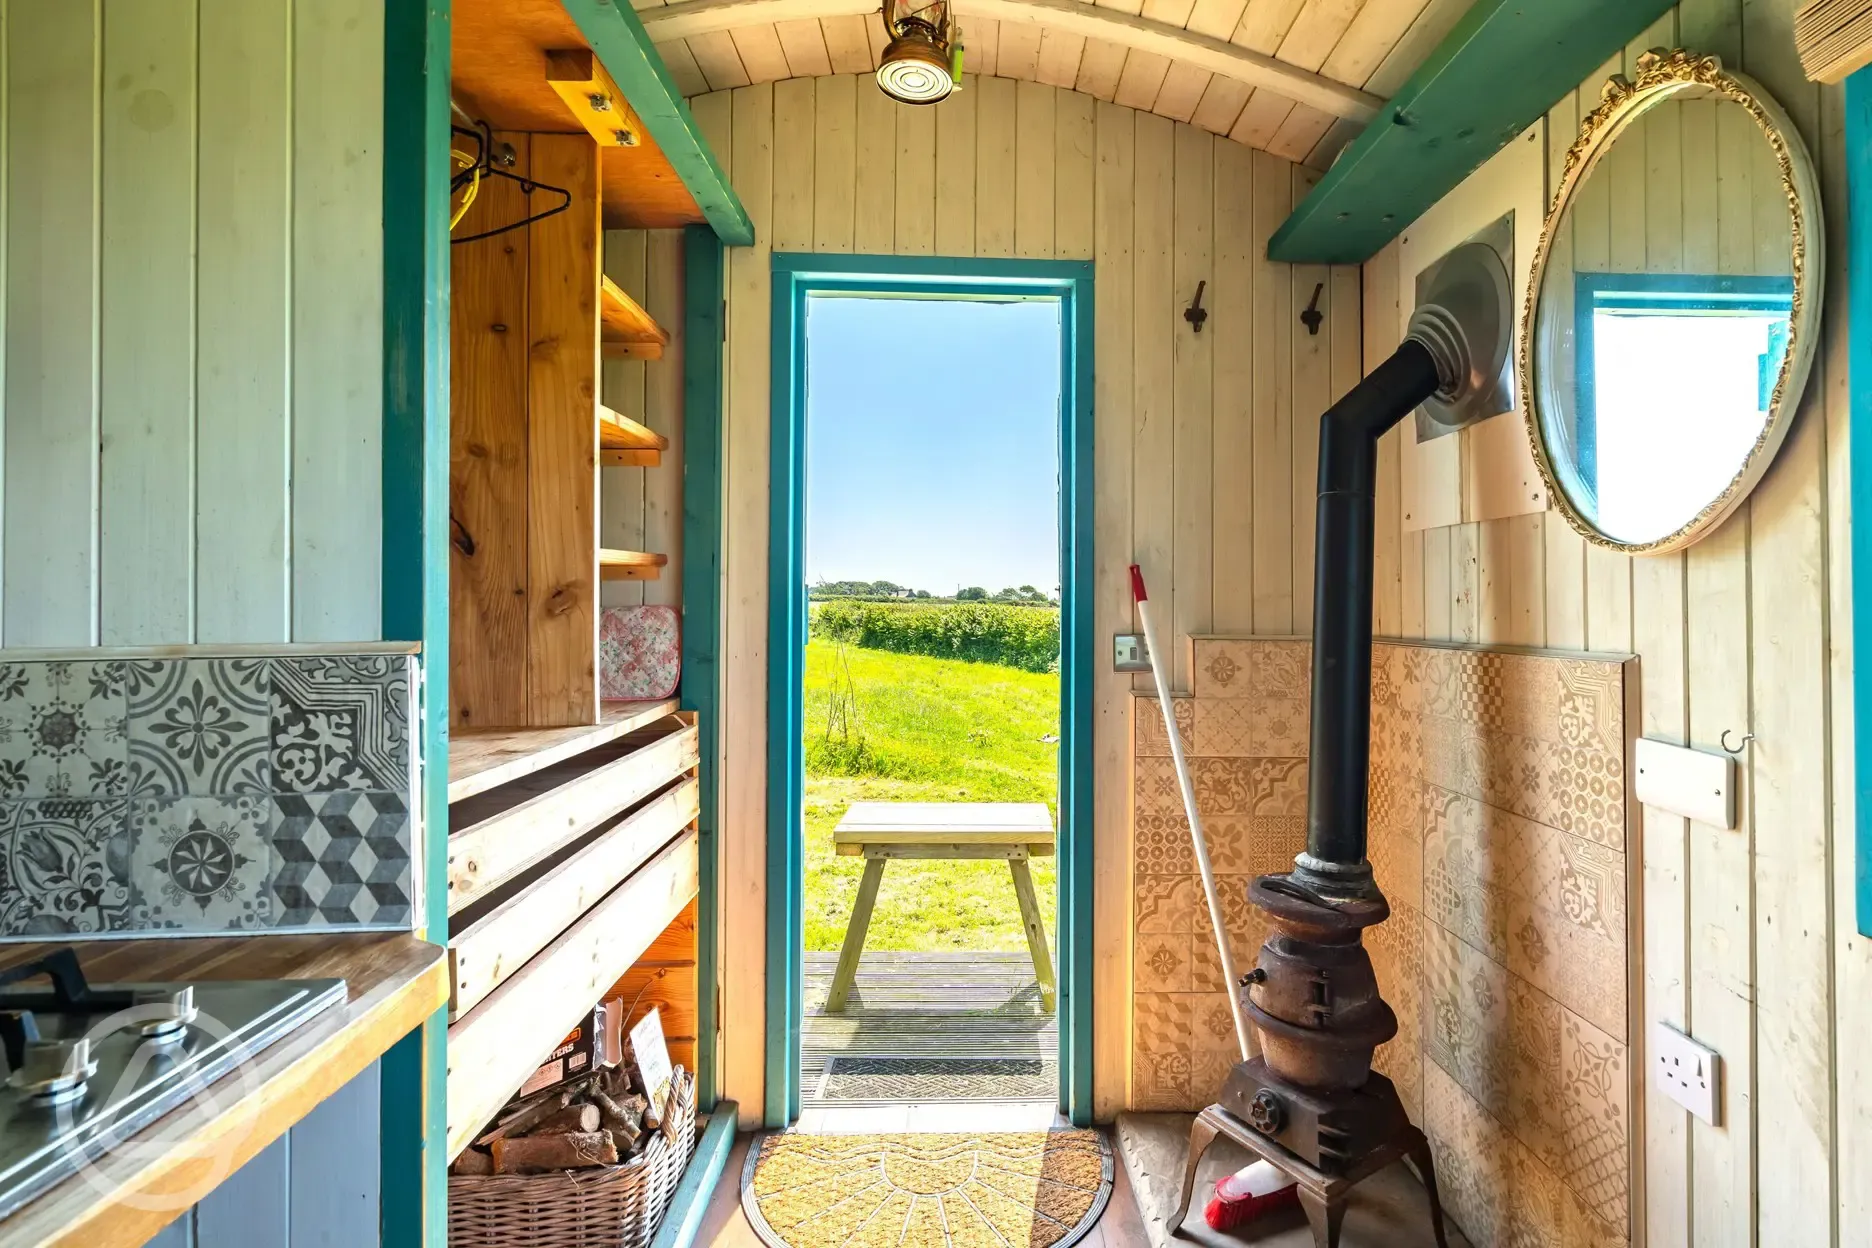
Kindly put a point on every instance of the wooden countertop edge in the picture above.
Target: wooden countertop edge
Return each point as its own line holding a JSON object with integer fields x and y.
{"x": 200, "y": 1146}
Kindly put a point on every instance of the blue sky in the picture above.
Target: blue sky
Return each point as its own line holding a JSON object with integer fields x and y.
{"x": 951, "y": 479}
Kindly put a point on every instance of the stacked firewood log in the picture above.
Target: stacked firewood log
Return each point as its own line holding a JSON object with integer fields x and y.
{"x": 602, "y": 1119}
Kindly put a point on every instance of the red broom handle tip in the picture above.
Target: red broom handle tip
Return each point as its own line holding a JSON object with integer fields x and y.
{"x": 1137, "y": 583}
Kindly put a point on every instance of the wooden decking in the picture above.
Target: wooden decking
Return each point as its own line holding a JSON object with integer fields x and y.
{"x": 928, "y": 1015}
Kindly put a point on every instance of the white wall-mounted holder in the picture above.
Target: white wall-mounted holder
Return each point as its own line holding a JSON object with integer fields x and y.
{"x": 1691, "y": 783}
{"x": 1686, "y": 1071}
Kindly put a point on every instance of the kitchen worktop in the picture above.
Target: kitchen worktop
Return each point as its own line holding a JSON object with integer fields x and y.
{"x": 394, "y": 981}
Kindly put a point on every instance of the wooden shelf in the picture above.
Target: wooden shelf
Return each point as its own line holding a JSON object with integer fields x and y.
{"x": 623, "y": 443}
{"x": 627, "y": 329}
{"x": 630, "y": 565}
{"x": 496, "y": 836}
{"x": 482, "y": 758}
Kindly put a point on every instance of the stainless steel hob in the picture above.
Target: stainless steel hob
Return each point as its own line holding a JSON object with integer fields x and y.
{"x": 89, "y": 1065}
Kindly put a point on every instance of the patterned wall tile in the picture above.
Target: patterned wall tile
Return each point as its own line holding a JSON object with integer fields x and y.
{"x": 1161, "y": 962}
{"x": 62, "y": 730}
{"x": 172, "y": 794}
{"x": 1549, "y": 906}
{"x": 1221, "y": 667}
{"x": 341, "y": 858}
{"x": 1282, "y": 669}
{"x": 1396, "y": 948}
{"x": 1148, "y": 726}
{"x": 65, "y": 867}
{"x": 1394, "y": 835}
{"x": 1509, "y": 1044}
{"x": 1496, "y": 1190}
{"x": 340, "y": 722}
{"x": 1224, "y": 727}
{"x": 1554, "y": 1080}
{"x": 1165, "y": 903}
{"x": 199, "y": 726}
{"x": 202, "y": 863}
{"x": 1164, "y": 1043}
{"x": 1278, "y": 727}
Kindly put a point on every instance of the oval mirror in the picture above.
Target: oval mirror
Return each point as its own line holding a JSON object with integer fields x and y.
{"x": 1673, "y": 304}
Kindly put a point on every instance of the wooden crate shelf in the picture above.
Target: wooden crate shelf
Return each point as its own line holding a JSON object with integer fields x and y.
{"x": 497, "y": 835}
{"x": 483, "y": 758}
{"x": 625, "y": 328}
{"x": 630, "y": 565}
{"x": 494, "y": 1046}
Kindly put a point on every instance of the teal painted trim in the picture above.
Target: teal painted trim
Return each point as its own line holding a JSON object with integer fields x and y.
{"x": 413, "y": 1079}
{"x": 794, "y": 278}
{"x": 1859, "y": 355}
{"x": 1498, "y": 72}
{"x": 625, "y": 50}
{"x": 786, "y": 656}
{"x": 690, "y": 1201}
{"x": 704, "y": 285}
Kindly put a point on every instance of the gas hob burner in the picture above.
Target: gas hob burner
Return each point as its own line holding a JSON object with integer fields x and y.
{"x": 89, "y": 1065}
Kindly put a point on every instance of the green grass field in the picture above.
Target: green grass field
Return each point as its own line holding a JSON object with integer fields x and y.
{"x": 911, "y": 729}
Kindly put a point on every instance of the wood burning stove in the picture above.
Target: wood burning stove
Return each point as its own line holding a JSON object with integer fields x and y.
{"x": 1309, "y": 1102}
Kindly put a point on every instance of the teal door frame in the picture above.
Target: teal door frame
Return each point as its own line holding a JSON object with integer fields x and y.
{"x": 795, "y": 278}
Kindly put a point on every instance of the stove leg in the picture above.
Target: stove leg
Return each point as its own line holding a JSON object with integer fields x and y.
{"x": 1202, "y": 1134}
{"x": 1324, "y": 1216}
{"x": 1426, "y": 1169}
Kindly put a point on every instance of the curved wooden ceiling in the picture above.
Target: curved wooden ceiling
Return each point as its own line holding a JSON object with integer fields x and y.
{"x": 1298, "y": 78}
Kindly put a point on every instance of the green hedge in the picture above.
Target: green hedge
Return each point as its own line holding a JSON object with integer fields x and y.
{"x": 982, "y": 632}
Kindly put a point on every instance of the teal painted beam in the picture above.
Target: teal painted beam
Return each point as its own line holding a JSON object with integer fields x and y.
{"x": 682, "y": 1222}
{"x": 1506, "y": 63}
{"x": 705, "y": 287}
{"x": 619, "y": 41}
{"x": 413, "y": 1075}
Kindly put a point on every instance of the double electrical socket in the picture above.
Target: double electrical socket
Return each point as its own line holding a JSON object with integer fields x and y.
{"x": 1687, "y": 1072}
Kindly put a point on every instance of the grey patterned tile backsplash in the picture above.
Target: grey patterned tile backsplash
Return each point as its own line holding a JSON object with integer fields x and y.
{"x": 206, "y": 794}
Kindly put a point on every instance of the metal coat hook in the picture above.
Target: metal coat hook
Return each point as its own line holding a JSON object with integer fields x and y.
{"x": 1196, "y": 314}
{"x": 1312, "y": 317}
{"x": 1737, "y": 748}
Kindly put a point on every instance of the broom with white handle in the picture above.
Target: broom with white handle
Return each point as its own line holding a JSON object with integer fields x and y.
{"x": 1260, "y": 1179}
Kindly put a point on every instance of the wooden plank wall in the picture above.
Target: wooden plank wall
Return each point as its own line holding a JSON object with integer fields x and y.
{"x": 1748, "y": 937}
{"x": 193, "y": 270}
{"x": 191, "y": 343}
{"x": 1203, "y": 474}
{"x": 641, "y": 508}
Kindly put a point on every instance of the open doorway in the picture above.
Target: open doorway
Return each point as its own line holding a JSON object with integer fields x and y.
{"x": 928, "y": 894}
{"x": 932, "y": 704}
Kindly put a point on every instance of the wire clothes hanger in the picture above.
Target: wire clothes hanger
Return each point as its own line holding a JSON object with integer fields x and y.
{"x": 487, "y": 163}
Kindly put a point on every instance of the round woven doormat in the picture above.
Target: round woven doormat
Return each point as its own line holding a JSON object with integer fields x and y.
{"x": 1033, "y": 1189}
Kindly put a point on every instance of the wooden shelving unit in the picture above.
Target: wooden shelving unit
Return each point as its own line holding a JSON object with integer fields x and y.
{"x": 625, "y": 328}
{"x": 630, "y": 565}
{"x": 561, "y": 878}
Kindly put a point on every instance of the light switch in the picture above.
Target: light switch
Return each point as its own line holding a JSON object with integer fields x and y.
{"x": 1129, "y": 653}
{"x": 1687, "y": 1072}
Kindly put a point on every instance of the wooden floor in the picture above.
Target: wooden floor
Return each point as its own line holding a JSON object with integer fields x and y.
{"x": 929, "y": 1007}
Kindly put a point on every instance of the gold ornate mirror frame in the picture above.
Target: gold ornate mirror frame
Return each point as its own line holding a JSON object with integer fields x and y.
{"x": 1661, "y": 75}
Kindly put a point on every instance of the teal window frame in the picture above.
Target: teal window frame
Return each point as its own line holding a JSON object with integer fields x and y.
{"x": 796, "y": 277}
{"x": 1859, "y": 365}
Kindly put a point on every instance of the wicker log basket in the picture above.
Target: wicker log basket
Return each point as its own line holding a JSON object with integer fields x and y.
{"x": 608, "y": 1207}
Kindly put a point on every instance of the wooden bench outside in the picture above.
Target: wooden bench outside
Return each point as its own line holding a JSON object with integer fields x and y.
{"x": 881, "y": 831}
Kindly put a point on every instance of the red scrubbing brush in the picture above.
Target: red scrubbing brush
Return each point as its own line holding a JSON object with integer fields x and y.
{"x": 1248, "y": 1194}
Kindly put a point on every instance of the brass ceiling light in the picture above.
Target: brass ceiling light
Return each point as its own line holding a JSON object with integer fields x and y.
{"x": 923, "y": 62}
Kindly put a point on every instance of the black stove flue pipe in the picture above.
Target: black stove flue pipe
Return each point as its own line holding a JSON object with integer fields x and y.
{"x": 1334, "y": 863}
